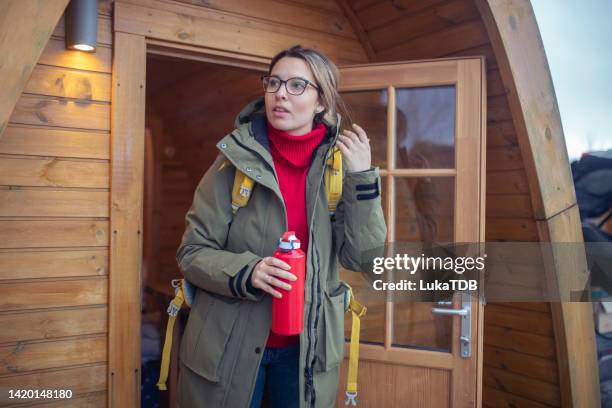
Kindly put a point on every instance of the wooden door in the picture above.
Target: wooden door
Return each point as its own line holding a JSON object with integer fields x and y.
{"x": 426, "y": 124}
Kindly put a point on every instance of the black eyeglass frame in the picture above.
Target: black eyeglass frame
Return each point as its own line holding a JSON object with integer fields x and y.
{"x": 285, "y": 83}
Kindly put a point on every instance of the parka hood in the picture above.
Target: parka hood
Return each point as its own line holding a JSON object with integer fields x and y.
{"x": 256, "y": 106}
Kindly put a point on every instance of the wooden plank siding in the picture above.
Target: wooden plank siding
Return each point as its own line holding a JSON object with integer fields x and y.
{"x": 47, "y": 143}
{"x": 54, "y": 216}
{"x": 66, "y": 83}
{"x": 58, "y": 263}
{"x": 56, "y": 54}
{"x": 29, "y": 325}
{"x": 305, "y": 16}
{"x": 34, "y": 171}
{"x": 28, "y": 356}
{"x": 187, "y": 24}
{"x": 88, "y": 381}
{"x": 61, "y": 112}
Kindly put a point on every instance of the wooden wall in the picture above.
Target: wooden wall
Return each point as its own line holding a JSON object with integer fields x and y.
{"x": 54, "y": 217}
{"x": 520, "y": 360}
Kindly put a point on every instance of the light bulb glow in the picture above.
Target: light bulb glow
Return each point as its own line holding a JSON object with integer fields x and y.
{"x": 83, "y": 47}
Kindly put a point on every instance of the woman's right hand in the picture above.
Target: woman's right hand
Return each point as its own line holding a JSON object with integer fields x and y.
{"x": 266, "y": 274}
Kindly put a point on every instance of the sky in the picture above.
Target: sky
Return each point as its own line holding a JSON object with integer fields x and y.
{"x": 574, "y": 33}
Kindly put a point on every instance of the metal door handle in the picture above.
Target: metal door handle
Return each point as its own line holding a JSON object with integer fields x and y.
{"x": 465, "y": 337}
{"x": 447, "y": 311}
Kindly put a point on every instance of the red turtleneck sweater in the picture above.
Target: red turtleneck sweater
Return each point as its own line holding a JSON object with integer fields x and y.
{"x": 292, "y": 155}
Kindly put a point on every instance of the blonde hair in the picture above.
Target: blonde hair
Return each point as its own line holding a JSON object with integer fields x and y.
{"x": 326, "y": 76}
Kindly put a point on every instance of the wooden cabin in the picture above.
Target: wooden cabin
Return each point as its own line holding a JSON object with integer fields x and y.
{"x": 100, "y": 154}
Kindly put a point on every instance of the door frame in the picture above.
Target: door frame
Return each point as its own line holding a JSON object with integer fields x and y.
{"x": 126, "y": 198}
{"x": 130, "y": 50}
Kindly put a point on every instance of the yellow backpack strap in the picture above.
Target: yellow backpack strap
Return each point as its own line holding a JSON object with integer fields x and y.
{"x": 358, "y": 311}
{"x": 242, "y": 188}
{"x": 180, "y": 297}
{"x": 333, "y": 180}
{"x": 226, "y": 162}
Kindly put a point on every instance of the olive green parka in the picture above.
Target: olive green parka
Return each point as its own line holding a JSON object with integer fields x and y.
{"x": 230, "y": 320}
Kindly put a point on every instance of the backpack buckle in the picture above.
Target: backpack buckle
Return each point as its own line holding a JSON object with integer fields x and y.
{"x": 173, "y": 309}
{"x": 351, "y": 398}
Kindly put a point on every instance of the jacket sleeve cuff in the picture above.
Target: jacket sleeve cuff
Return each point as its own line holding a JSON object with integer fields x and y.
{"x": 362, "y": 185}
{"x": 240, "y": 283}
{"x": 253, "y": 293}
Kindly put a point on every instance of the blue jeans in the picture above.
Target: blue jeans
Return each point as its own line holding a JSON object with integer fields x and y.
{"x": 278, "y": 375}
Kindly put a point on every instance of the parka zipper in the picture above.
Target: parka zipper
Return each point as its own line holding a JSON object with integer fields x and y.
{"x": 309, "y": 389}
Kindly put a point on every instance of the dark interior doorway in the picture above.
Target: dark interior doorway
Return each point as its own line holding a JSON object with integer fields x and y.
{"x": 190, "y": 106}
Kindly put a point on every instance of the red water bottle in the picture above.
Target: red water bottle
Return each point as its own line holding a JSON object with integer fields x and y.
{"x": 288, "y": 311}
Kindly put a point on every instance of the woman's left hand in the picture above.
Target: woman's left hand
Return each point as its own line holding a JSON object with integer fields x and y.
{"x": 355, "y": 148}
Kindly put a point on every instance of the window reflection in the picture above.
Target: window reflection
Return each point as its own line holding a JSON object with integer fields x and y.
{"x": 425, "y": 127}
{"x": 424, "y": 208}
{"x": 368, "y": 109}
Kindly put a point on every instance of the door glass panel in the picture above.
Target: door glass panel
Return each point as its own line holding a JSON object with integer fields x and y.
{"x": 425, "y": 127}
{"x": 424, "y": 209}
{"x": 415, "y": 326}
{"x": 368, "y": 109}
{"x": 424, "y": 213}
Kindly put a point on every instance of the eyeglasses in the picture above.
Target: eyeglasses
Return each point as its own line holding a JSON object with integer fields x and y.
{"x": 294, "y": 86}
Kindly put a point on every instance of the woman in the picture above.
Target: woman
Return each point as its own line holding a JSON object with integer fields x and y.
{"x": 228, "y": 354}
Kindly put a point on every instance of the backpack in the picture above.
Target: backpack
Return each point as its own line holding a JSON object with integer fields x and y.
{"x": 241, "y": 193}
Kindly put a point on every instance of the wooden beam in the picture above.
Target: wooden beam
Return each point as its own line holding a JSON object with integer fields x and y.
{"x": 25, "y": 28}
{"x": 572, "y": 321}
{"x": 519, "y": 51}
{"x": 285, "y": 12}
{"x": 183, "y": 24}
{"x": 127, "y": 167}
{"x": 358, "y": 29}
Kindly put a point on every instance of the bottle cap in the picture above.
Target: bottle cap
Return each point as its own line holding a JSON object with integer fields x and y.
{"x": 289, "y": 241}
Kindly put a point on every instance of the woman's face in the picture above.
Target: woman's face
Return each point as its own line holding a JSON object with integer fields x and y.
{"x": 300, "y": 109}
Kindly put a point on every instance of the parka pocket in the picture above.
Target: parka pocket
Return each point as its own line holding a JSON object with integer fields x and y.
{"x": 330, "y": 344}
{"x": 206, "y": 340}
